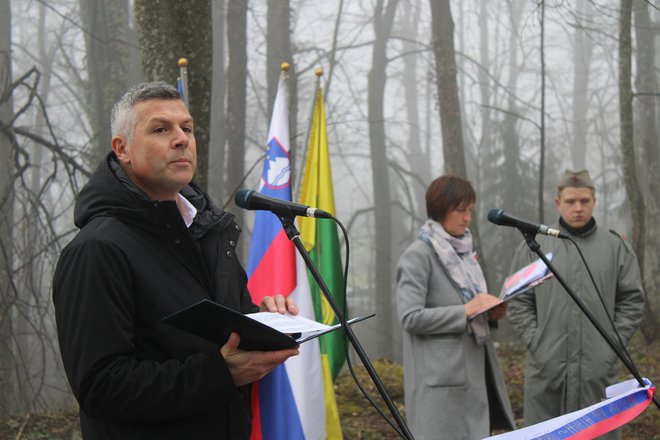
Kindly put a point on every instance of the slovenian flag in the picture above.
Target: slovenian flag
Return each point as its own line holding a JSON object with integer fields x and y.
{"x": 624, "y": 402}
{"x": 288, "y": 403}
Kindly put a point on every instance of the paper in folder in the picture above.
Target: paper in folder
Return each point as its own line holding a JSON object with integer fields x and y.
{"x": 521, "y": 281}
{"x": 526, "y": 278}
{"x": 263, "y": 331}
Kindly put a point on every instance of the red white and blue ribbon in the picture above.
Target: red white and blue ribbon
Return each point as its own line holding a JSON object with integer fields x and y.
{"x": 625, "y": 401}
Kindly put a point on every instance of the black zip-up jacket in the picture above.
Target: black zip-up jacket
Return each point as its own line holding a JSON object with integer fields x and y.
{"x": 132, "y": 263}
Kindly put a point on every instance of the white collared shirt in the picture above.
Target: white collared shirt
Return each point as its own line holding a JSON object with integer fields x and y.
{"x": 187, "y": 210}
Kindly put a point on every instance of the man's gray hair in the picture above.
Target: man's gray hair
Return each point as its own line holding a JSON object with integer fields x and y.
{"x": 122, "y": 119}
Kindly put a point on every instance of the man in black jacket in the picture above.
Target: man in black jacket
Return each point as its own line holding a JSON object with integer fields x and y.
{"x": 151, "y": 242}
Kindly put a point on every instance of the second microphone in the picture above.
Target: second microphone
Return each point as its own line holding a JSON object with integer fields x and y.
{"x": 253, "y": 200}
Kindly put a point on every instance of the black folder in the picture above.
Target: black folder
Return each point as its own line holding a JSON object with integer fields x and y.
{"x": 215, "y": 322}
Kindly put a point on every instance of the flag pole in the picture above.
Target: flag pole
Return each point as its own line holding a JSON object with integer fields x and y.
{"x": 319, "y": 74}
{"x": 183, "y": 80}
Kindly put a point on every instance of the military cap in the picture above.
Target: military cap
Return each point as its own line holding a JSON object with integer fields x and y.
{"x": 575, "y": 179}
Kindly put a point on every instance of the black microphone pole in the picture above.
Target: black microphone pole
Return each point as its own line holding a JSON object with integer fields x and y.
{"x": 530, "y": 239}
{"x": 294, "y": 236}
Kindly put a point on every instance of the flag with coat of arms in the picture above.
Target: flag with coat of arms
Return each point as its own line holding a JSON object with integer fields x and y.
{"x": 289, "y": 403}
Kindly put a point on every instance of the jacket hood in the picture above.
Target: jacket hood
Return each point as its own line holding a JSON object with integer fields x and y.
{"x": 110, "y": 193}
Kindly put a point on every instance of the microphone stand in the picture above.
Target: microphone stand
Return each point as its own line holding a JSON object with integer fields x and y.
{"x": 530, "y": 239}
{"x": 294, "y": 235}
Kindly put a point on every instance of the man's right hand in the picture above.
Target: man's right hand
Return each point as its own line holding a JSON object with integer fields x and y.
{"x": 249, "y": 366}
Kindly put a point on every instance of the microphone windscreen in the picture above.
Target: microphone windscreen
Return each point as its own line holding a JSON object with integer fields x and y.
{"x": 242, "y": 198}
{"x": 495, "y": 216}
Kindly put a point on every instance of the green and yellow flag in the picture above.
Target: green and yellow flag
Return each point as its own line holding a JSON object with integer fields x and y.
{"x": 322, "y": 242}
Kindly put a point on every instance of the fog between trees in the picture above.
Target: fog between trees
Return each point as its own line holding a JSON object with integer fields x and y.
{"x": 506, "y": 93}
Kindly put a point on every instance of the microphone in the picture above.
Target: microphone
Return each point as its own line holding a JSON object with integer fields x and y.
{"x": 254, "y": 200}
{"x": 501, "y": 218}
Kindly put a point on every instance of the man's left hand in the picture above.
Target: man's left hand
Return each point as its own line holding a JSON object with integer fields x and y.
{"x": 278, "y": 304}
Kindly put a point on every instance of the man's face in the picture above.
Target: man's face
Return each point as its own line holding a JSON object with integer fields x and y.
{"x": 576, "y": 205}
{"x": 162, "y": 155}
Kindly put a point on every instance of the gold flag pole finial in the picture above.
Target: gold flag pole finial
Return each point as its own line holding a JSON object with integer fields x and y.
{"x": 183, "y": 62}
{"x": 319, "y": 76}
{"x": 285, "y": 66}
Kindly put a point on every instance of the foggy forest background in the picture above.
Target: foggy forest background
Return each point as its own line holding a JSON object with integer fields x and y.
{"x": 508, "y": 93}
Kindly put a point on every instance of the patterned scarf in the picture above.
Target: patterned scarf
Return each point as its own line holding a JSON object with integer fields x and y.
{"x": 459, "y": 260}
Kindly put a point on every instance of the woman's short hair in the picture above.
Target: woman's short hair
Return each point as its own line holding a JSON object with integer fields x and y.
{"x": 447, "y": 193}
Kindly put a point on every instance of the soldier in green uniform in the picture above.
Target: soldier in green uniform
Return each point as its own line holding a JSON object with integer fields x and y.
{"x": 569, "y": 364}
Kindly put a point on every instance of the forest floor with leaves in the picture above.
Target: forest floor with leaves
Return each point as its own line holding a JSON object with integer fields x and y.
{"x": 360, "y": 421}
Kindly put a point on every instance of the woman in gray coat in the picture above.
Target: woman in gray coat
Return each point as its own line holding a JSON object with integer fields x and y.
{"x": 454, "y": 387}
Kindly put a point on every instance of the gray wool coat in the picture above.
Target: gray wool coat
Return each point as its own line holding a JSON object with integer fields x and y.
{"x": 569, "y": 364}
{"x": 453, "y": 387}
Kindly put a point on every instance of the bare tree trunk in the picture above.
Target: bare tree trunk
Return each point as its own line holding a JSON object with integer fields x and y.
{"x": 446, "y": 73}
{"x": 31, "y": 338}
{"x": 409, "y": 182}
{"x": 510, "y": 140}
{"x": 383, "y": 19}
{"x": 169, "y": 30}
{"x": 418, "y": 157}
{"x": 449, "y": 103}
{"x": 332, "y": 55}
{"x": 485, "y": 139}
{"x": 236, "y": 77}
{"x": 583, "y": 49}
{"x": 647, "y": 100}
{"x": 626, "y": 119}
{"x": 108, "y": 61}
{"x": 218, "y": 136}
{"x": 8, "y": 384}
{"x": 542, "y": 130}
{"x": 505, "y": 169}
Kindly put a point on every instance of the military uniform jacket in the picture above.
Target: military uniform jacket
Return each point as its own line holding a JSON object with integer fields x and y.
{"x": 569, "y": 364}
{"x": 132, "y": 263}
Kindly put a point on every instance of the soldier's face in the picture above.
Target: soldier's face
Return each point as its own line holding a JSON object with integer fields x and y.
{"x": 576, "y": 206}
